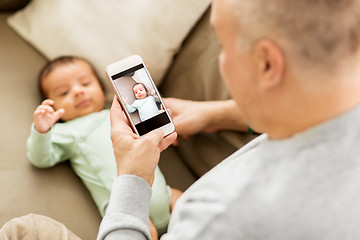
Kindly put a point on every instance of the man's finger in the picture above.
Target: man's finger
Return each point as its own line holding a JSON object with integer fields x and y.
{"x": 155, "y": 136}
{"x": 118, "y": 120}
{"x": 170, "y": 112}
{"x": 167, "y": 141}
{"x": 117, "y": 114}
{"x": 116, "y": 111}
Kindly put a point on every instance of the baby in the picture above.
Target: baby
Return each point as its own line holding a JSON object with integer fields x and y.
{"x": 75, "y": 97}
{"x": 145, "y": 104}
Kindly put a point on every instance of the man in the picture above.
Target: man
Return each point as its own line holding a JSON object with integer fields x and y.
{"x": 292, "y": 69}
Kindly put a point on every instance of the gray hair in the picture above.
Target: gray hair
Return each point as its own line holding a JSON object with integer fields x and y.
{"x": 316, "y": 30}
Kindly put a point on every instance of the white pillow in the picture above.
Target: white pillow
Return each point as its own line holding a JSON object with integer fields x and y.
{"x": 104, "y": 31}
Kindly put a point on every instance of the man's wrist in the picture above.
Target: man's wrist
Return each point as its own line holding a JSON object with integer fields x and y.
{"x": 131, "y": 189}
{"x": 225, "y": 115}
{"x": 145, "y": 177}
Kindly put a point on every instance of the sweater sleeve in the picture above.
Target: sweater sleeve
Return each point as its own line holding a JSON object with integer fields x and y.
{"x": 48, "y": 149}
{"x": 127, "y": 216}
{"x": 131, "y": 108}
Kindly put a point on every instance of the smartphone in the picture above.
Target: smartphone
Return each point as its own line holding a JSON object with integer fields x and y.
{"x": 139, "y": 96}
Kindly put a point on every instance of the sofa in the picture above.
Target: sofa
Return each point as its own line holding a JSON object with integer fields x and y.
{"x": 57, "y": 192}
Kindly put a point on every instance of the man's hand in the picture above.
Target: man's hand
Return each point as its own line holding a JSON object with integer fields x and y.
{"x": 191, "y": 117}
{"x": 45, "y": 116}
{"x": 136, "y": 155}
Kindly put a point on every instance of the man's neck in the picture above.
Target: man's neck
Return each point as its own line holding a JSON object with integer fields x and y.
{"x": 325, "y": 99}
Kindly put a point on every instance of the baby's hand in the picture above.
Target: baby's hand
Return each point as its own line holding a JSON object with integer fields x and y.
{"x": 45, "y": 116}
{"x": 153, "y": 92}
{"x": 124, "y": 100}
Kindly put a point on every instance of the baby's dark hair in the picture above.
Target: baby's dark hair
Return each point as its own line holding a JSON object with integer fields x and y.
{"x": 51, "y": 65}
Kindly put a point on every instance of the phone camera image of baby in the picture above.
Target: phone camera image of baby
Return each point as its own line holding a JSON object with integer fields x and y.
{"x": 138, "y": 95}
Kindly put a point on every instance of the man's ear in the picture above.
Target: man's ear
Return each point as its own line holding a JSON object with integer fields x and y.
{"x": 270, "y": 63}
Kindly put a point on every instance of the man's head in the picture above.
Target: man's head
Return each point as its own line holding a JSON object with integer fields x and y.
{"x": 74, "y": 86}
{"x": 274, "y": 53}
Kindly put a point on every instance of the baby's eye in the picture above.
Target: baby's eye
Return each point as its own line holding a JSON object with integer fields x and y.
{"x": 63, "y": 93}
{"x": 86, "y": 83}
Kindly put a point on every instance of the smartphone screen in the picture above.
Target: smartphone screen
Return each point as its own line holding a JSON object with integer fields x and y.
{"x": 140, "y": 99}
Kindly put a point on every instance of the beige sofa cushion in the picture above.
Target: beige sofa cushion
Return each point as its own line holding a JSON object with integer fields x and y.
{"x": 109, "y": 30}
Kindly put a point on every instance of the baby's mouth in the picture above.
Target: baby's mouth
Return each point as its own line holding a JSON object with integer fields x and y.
{"x": 83, "y": 103}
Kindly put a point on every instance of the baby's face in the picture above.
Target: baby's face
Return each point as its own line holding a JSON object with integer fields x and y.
{"x": 75, "y": 88}
{"x": 139, "y": 91}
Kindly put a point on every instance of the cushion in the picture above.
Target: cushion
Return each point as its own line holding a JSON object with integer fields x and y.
{"x": 104, "y": 31}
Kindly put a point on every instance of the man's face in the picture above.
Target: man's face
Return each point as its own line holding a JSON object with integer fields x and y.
{"x": 235, "y": 64}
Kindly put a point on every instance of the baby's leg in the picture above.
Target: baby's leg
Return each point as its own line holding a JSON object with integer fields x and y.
{"x": 153, "y": 231}
{"x": 175, "y": 194}
{"x": 160, "y": 203}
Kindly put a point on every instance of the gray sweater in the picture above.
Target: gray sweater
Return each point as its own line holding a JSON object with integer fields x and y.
{"x": 303, "y": 187}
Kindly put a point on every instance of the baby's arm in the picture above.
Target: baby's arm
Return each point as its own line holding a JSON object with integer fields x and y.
{"x": 44, "y": 147}
{"x": 131, "y": 108}
{"x": 45, "y": 116}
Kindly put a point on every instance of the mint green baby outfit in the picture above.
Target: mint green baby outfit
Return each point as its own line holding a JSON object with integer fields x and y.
{"x": 86, "y": 142}
{"x": 146, "y": 107}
